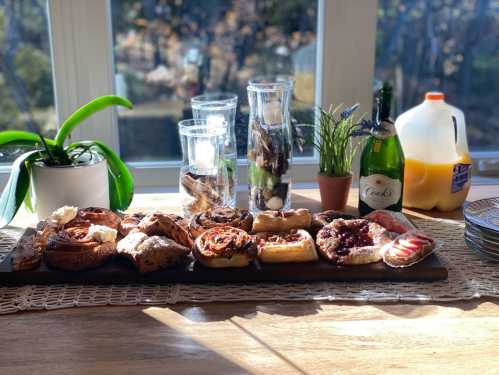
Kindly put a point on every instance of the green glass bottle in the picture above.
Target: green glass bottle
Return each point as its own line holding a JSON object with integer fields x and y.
{"x": 382, "y": 162}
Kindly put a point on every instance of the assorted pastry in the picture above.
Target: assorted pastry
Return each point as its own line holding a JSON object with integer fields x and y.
{"x": 74, "y": 239}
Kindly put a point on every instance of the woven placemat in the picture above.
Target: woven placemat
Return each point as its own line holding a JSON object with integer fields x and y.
{"x": 469, "y": 277}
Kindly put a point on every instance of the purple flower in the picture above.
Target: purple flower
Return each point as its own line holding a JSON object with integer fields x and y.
{"x": 348, "y": 112}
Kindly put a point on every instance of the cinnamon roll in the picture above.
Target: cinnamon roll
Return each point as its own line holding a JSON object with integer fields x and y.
{"x": 221, "y": 247}
{"x": 95, "y": 215}
{"x": 220, "y": 216}
{"x": 73, "y": 249}
{"x": 130, "y": 222}
{"x": 169, "y": 225}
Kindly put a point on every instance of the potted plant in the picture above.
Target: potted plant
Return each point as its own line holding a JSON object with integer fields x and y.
{"x": 336, "y": 153}
{"x": 83, "y": 173}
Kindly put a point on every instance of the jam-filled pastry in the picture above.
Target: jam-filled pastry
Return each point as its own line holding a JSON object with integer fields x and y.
{"x": 395, "y": 222}
{"x": 96, "y": 216}
{"x": 350, "y": 242}
{"x": 325, "y": 217}
{"x": 221, "y": 247}
{"x": 408, "y": 249}
{"x": 152, "y": 253}
{"x": 130, "y": 222}
{"x": 297, "y": 245}
{"x": 220, "y": 216}
{"x": 282, "y": 221}
{"x": 80, "y": 247}
{"x": 169, "y": 225}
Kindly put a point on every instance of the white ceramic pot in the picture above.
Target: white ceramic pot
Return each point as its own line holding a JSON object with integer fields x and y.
{"x": 80, "y": 186}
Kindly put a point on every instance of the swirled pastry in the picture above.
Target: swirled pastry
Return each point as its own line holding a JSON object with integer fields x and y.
{"x": 72, "y": 249}
{"x": 169, "y": 225}
{"x": 220, "y": 216}
{"x": 95, "y": 215}
{"x": 282, "y": 221}
{"x": 152, "y": 253}
{"x": 294, "y": 246}
{"x": 349, "y": 242}
{"x": 221, "y": 247}
{"x": 130, "y": 222}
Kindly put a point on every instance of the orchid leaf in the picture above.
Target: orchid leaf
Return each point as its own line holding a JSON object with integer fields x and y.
{"x": 86, "y": 111}
{"x": 15, "y": 191}
{"x": 22, "y": 138}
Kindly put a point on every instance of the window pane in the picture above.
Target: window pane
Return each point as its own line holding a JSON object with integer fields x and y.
{"x": 451, "y": 46}
{"x": 168, "y": 51}
{"x": 26, "y": 99}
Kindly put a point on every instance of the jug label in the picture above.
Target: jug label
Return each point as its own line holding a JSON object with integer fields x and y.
{"x": 379, "y": 191}
{"x": 461, "y": 174}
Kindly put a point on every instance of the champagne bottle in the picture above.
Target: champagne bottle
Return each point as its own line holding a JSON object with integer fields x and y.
{"x": 382, "y": 162}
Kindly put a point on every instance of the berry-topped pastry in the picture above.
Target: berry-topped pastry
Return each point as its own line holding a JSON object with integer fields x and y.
{"x": 356, "y": 241}
{"x": 224, "y": 247}
{"x": 294, "y": 246}
{"x": 408, "y": 249}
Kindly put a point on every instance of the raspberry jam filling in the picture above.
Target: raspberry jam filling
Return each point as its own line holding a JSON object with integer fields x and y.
{"x": 353, "y": 237}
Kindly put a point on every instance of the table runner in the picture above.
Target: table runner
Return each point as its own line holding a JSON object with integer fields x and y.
{"x": 469, "y": 277}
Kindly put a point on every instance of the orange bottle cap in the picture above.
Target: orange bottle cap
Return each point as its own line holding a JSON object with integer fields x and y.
{"x": 434, "y": 95}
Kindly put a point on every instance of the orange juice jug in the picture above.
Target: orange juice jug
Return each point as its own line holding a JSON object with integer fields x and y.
{"x": 437, "y": 162}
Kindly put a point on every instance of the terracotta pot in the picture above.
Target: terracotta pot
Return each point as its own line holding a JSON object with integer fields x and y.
{"x": 334, "y": 191}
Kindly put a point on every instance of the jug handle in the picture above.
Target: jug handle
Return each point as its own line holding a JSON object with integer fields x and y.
{"x": 454, "y": 121}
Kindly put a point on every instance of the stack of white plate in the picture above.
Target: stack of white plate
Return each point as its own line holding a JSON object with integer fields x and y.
{"x": 482, "y": 228}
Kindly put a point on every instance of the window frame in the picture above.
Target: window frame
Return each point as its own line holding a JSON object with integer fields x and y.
{"x": 81, "y": 40}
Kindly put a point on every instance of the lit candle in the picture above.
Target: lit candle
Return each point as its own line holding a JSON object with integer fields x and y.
{"x": 205, "y": 155}
{"x": 215, "y": 120}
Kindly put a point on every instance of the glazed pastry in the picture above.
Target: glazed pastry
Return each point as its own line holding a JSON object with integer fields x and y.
{"x": 294, "y": 246}
{"x": 349, "y": 242}
{"x": 152, "y": 253}
{"x": 224, "y": 247}
{"x": 169, "y": 225}
{"x": 29, "y": 251}
{"x": 73, "y": 249}
{"x": 395, "y": 222}
{"x": 130, "y": 222}
{"x": 220, "y": 216}
{"x": 325, "y": 217}
{"x": 95, "y": 215}
{"x": 408, "y": 249}
{"x": 282, "y": 221}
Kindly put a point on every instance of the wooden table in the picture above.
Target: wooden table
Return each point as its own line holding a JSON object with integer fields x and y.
{"x": 233, "y": 338}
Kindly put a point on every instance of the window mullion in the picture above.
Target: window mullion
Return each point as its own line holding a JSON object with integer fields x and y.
{"x": 82, "y": 63}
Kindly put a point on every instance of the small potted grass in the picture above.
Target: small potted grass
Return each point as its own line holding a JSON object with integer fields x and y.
{"x": 82, "y": 174}
{"x": 336, "y": 154}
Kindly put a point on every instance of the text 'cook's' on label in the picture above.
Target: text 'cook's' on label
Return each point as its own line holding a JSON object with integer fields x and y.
{"x": 379, "y": 191}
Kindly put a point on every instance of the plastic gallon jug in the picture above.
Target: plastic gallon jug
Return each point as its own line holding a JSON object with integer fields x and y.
{"x": 437, "y": 163}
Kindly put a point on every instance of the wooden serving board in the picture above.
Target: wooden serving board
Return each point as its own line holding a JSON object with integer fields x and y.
{"x": 121, "y": 271}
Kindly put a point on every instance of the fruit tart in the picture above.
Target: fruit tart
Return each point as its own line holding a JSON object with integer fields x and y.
{"x": 282, "y": 221}
{"x": 350, "y": 242}
{"x": 226, "y": 246}
{"x": 325, "y": 217}
{"x": 220, "y": 216}
{"x": 151, "y": 253}
{"x": 294, "y": 246}
{"x": 408, "y": 249}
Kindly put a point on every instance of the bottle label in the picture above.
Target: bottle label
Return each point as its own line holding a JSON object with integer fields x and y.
{"x": 379, "y": 191}
{"x": 461, "y": 174}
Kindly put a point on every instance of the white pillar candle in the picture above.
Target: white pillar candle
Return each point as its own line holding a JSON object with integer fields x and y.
{"x": 205, "y": 155}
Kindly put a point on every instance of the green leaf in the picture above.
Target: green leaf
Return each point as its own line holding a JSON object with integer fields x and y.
{"x": 15, "y": 191}
{"x": 22, "y": 138}
{"x": 86, "y": 111}
{"x": 120, "y": 178}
